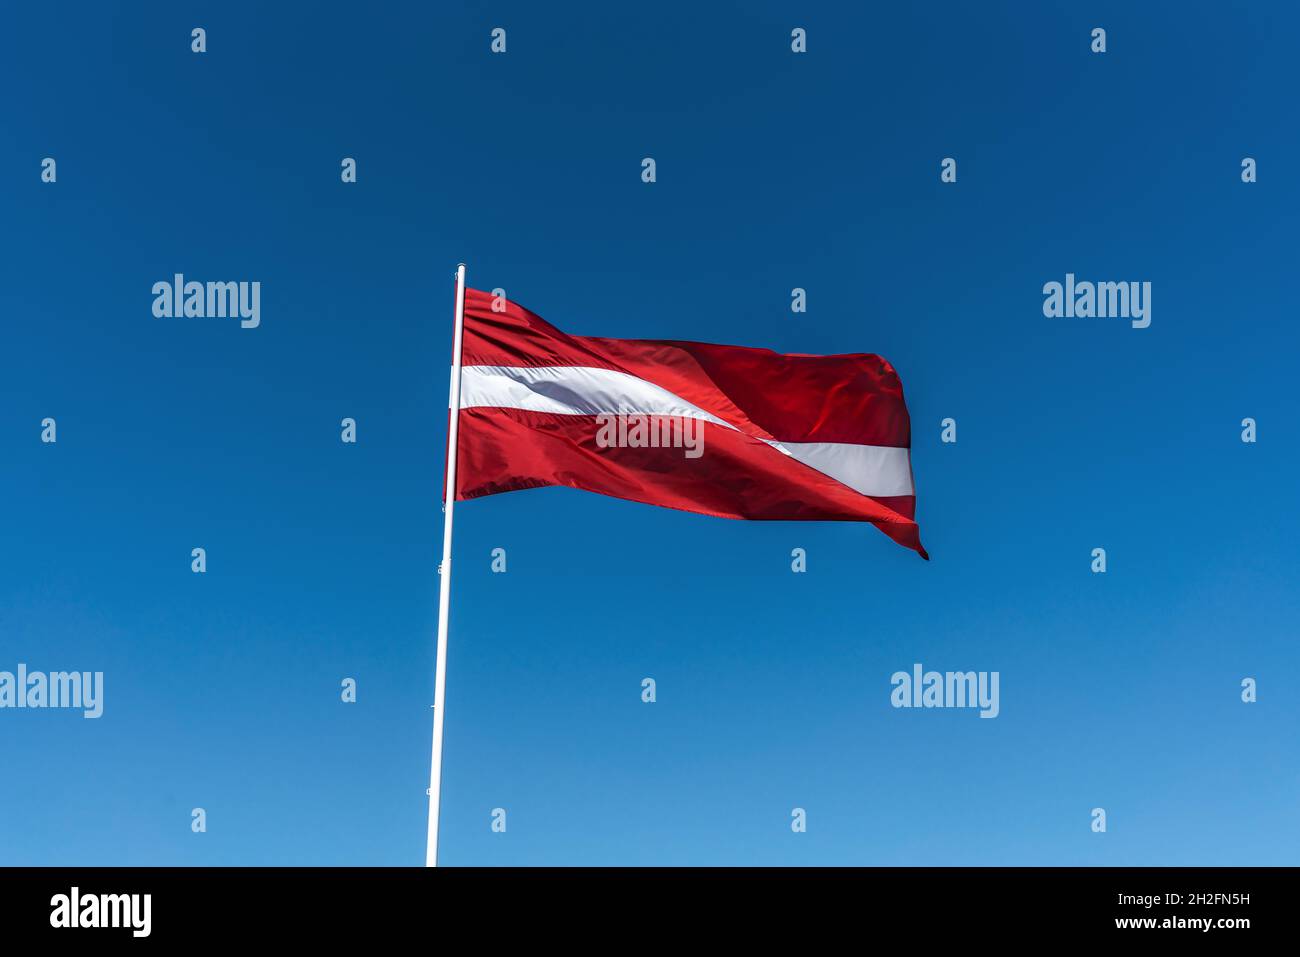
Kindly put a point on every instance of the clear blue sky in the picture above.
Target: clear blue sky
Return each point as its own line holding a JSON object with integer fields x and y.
{"x": 774, "y": 171}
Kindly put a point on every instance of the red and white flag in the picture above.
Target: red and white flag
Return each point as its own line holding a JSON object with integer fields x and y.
{"x": 784, "y": 437}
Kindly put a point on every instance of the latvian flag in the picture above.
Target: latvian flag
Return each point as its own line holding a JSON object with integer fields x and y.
{"x": 791, "y": 437}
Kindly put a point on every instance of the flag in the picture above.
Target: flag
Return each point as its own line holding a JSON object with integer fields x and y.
{"x": 729, "y": 431}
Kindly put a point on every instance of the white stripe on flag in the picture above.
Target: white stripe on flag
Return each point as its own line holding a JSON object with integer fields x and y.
{"x": 578, "y": 390}
{"x": 572, "y": 390}
{"x": 879, "y": 470}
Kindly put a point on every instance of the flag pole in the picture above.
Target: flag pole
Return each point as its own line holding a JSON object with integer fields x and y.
{"x": 444, "y": 573}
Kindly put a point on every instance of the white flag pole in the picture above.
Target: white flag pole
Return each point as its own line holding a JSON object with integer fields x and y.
{"x": 444, "y": 571}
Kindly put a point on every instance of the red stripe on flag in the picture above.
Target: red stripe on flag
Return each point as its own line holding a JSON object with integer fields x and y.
{"x": 782, "y": 397}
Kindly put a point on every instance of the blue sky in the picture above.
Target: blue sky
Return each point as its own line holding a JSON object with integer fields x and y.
{"x": 775, "y": 170}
